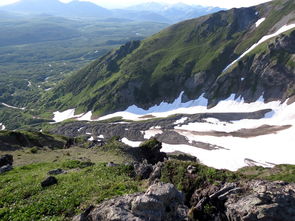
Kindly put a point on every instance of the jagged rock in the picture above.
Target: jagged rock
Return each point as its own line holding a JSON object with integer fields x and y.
{"x": 161, "y": 202}
{"x": 56, "y": 172}
{"x": 143, "y": 170}
{"x": 156, "y": 174}
{"x": 5, "y": 168}
{"x": 6, "y": 159}
{"x": 262, "y": 200}
{"x": 49, "y": 181}
{"x": 249, "y": 201}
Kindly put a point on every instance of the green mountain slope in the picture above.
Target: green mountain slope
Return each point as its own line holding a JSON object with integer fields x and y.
{"x": 190, "y": 57}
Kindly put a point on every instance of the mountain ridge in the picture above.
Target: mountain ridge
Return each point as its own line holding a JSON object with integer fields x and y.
{"x": 189, "y": 56}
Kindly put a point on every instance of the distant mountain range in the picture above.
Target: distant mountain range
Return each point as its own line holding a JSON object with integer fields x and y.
{"x": 166, "y": 13}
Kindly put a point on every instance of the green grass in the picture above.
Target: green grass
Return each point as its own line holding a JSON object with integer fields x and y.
{"x": 278, "y": 173}
{"x": 175, "y": 172}
{"x": 22, "y": 198}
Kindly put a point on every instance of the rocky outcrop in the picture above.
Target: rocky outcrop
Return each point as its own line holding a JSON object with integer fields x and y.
{"x": 161, "y": 202}
{"x": 262, "y": 200}
{"x": 248, "y": 201}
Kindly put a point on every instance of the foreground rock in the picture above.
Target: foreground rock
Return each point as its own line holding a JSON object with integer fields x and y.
{"x": 249, "y": 201}
{"x": 49, "y": 182}
{"x": 265, "y": 201}
{"x": 5, "y": 168}
{"x": 6, "y": 159}
{"x": 6, "y": 162}
{"x": 161, "y": 202}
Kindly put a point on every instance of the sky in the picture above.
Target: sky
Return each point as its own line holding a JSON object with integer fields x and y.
{"x": 126, "y": 3}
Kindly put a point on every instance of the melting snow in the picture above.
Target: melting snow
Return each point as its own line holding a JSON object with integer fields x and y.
{"x": 86, "y": 116}
{"x": 65, "y": 115}
{"x": 265, "y": 149}
{"x": 91, "y": 138}
{"x": 265, "y": 38}
{"x": 2, "y": 126}
{"x": 259, "y": 22}
{"x": 153, "y": 131}
{"x": 181, "y": 121}
{"x": 100, "y": 137}
{"x": 231, "y": 104}
{"x": 131, "y": 143}
{"x": 13, "y": 107}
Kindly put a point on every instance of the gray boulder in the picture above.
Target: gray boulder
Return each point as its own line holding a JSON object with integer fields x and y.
{"x": 246, "y": 201}
{"x": 143, "y": 170}
{"x": 161, "y": 202}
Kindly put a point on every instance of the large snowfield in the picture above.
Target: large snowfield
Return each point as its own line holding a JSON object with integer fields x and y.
{"x": 266, "y": 150}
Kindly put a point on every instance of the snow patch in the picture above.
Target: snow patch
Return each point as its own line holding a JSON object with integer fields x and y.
{"x": 13, "y": 107}
{"x": 2, "y": 126}
{"x": 153, "y": 131}
{"x": 86, "y": 117}
{"x": 263, "y": 39}
{"x": 259, "y": 22}
{"x": 181, "y": 121}
{"x": 65, "y": 115}
{"x": 131, "y": 143}
{"x": 100, "y": 136}
{"x": 91, "y": 138}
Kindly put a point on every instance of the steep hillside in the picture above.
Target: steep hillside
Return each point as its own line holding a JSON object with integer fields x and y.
{"x": 191, "y": 56}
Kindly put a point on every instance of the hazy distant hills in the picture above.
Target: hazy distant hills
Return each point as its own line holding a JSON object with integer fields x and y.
{"x": 152, "y": 11}
{"x": 175, "y": 12}
{"x": 55, "y": 7}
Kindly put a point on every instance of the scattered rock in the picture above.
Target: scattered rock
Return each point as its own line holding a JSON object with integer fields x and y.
{"x": 111, "y": 164}
{"x": 5, "y": 168}
{"x": 56, "y": 172}
{"x": 49, "y": 181}
{"x": 191, "y": 169}
{"x": 161, "y": 202}
{"x": 6, "y": 159}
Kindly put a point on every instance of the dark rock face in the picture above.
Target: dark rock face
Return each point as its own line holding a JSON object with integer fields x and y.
{"x": 161, "y": 202}
{"x": 6, "y": 159}
{"x": 49, "y": 181}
